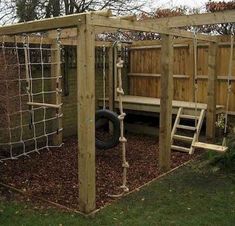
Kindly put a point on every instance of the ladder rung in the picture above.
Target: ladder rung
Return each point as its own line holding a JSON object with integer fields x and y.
{"x": 212, "y": 147}
{"x": 189, "y": 117}
{"x": 183, "y": 138}
{"x": 179, "y": 148}
{"x": 192, "y": 128}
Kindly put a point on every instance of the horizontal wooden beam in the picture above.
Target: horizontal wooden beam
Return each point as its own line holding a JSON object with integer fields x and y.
{"x": 50, "y": 23}
{"x": 33, "y": 39}
{"x": 71, "y": 33}
{"x": 146, "y": 26}
{"x": 227, "y": 16}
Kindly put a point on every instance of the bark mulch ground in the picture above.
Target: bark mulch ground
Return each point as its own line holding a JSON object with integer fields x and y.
{"x": 53, "y": 175}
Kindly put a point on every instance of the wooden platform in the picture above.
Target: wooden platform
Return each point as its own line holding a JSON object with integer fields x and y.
{"x": 150, "y": 104}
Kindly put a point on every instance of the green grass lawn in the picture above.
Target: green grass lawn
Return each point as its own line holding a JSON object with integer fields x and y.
{"x": 189, "y": 196}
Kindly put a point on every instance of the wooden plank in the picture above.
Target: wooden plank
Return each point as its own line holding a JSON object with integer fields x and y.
{"x": 166, "y": 103}
{"x": 182, "y": 138}
{"x": 44, "y": 105}
{"x": 211, "y": 93}
{"x": 49, "y": 39}
{"x": 192, "y": 128}
{"x": 49, "y": 23}
{"x": 189, "y": 117}
{"x": 179, "y": 148}
{"x": 227, "y": 16}
{"x": 86, "y": 115}
{"x": 212, "y": 147}
{"x": 56, "y": 85}
{"x": 147, "y": 26}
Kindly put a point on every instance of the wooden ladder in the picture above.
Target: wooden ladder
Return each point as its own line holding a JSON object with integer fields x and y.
{"x": 189, "y": 139}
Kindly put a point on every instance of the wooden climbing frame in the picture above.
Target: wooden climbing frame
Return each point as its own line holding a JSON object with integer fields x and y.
{"x": 84, "y": 26}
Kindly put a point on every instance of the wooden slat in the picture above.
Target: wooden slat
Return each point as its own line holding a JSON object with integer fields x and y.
{"x": 191, "y": 128}
{"x": 211, "y": 147}
{"x": 86, "y": 116}
{"x": 182, "y": 138}
{"x": 179, "y": 148}
{"x": 227, "y": 16}
{"x": 166, "y": 103}
{"x": 146, "y": 26}
{"x": 49, "y": 23}
{"x": 44, "y": 105}
{"x": 189, "y": 117}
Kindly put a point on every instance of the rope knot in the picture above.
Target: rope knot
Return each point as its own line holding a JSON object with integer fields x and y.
{"x": 125, "y": 188}
{"x": 122, "y": 116}
{"x": 120, "y": 91}
{"x": 120, "y": 64}
{"x": 122, "y": 139}
{"x": 125, "y": 165}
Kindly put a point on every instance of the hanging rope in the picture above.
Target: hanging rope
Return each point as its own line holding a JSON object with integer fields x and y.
{"x": 195, "y": 76}
{"x": 122, "y": 139}
{"x": 229, "y": 90}
{"x": 104, "y": 76}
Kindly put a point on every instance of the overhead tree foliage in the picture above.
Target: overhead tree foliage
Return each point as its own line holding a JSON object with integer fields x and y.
{"x": 210, "y": 6}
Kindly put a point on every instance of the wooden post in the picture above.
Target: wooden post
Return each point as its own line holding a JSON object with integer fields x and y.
{"x": 166, "y": 102}
{"x": 111, "y": 79}
{"x": 56, "y": 85}
{"x": 211, "y": 93}
{"x": 86, "y": 114}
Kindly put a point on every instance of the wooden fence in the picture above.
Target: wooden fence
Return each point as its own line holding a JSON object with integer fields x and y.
{"x": 144, "y": 75}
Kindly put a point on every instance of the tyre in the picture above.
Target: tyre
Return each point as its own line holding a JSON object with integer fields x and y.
{"x": 103, "y": 118}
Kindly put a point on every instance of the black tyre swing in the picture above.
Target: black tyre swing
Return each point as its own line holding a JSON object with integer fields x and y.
{"x": 106, "y": 120}
{"x": 102, "y": 117}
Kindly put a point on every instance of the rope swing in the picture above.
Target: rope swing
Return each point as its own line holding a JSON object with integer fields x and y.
{"x": 195, "y": 144}
{"x": 229, "y": 89}
{"x": 195, "y": 76}
{"x": 104, "y": 76}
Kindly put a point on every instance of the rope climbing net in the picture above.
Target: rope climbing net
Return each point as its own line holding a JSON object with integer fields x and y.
{"x": 30, "y": 96}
